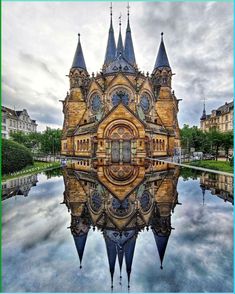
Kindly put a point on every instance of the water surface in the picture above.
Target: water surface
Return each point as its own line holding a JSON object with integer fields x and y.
{"x": 39, "y": 252}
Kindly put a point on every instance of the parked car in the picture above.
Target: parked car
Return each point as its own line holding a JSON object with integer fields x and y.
{"x": 208, "y": 157}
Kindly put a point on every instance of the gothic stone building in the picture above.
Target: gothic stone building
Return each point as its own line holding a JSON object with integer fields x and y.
{"x": 120, "y": 115}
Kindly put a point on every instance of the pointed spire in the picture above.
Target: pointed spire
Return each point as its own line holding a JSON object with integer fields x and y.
{"x": 129, "y": 48}
{"x": 120, "y": 49}
{"x": 111, "y": 45}
{"x": 203, "y": 117}
{"x": 162, "y": 59}
{"x": 78, "y": 60}
{"x": 80, "y": 242}
{"x": 161, "y": 242}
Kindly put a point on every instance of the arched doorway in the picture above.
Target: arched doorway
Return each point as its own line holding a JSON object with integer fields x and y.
{"x": 121, "y": 137}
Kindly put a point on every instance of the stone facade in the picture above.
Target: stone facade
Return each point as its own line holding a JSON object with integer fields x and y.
{"x": 220, "y": 119}
{"x": 14, "y": 121}
{"x": 120, "y": 115}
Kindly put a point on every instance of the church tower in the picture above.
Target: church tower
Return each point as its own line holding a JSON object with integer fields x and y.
{"x": 74, "y": 105}
{"x": 167, "y": 104}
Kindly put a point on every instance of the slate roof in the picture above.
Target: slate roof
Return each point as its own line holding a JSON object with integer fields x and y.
{"x": 162, "y": 59}
{"x": 78, "y": 60}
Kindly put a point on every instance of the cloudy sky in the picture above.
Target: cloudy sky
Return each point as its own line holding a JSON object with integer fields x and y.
{"x": 39, "y": 41}
{"x": 40, "y": 253}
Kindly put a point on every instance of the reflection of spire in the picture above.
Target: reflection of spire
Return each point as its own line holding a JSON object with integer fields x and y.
{"x": 120, "y": 252}
{"x": 80, "y": 242}
{"x": 161, "y": 242}
{"x": 203, "y": 194}
{"x": 129, "y": 253}
{"x": 112, "y": 254}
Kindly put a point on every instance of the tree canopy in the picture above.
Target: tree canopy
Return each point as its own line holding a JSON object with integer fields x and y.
{"x": 207, "y": 142}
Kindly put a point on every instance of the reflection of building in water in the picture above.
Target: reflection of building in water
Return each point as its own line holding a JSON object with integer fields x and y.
{"x": 121, "y": 208}
{"x": 219, "y": 185}
{"x": 18, "y": 186}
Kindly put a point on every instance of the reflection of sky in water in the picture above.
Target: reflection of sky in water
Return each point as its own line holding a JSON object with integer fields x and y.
{"x": 39, "y": 252}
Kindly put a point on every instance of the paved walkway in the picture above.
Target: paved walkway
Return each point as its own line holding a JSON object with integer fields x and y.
{"x": 193, "y": 167}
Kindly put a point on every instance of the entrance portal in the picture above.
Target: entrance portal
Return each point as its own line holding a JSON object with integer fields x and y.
{"x": 121, "y": 137}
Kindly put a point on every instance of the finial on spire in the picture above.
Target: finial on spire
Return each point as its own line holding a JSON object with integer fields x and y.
{"x": 128, "y": 9}
{"x": 162, "y": 35}
{"x": 120, "y": 20}
{"x": 111, "y": 9}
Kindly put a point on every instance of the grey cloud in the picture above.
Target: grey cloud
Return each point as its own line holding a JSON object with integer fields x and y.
{"x": 29, "y": 59}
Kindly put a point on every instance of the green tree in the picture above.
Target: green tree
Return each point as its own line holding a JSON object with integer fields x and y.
{"x": 50, "y": 142}
{"x": 216, "y": 141}
{"x": 227, "y": 142}
{"x": 46, "y": 142}
{"x": 15, "y": 156}
{"x": 193, "y": 137}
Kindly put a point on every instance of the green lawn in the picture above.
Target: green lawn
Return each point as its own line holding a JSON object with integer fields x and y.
{"x": 36, "y": 167}
{"x": 213, "y": 164}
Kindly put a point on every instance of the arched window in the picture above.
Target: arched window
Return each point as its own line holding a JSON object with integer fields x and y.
{"x": 157, "y": 145}
{"x": 145, "y": 102}
{"x": 95, "y": 103}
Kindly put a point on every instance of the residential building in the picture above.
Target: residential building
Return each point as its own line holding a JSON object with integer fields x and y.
{"x": 220, "y": 119}
{"x": 14, "y": 121}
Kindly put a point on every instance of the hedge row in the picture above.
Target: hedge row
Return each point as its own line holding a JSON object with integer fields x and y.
{"x": 14, "y": 156}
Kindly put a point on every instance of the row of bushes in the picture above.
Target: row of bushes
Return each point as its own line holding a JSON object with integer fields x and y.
{"x": 14, "y": 156}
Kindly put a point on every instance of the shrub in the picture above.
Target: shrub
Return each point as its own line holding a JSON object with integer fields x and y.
{"x": 14, "y": 156}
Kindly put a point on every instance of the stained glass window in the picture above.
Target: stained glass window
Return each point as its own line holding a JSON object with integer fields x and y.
{"x": 120, "y": 96}
{"x": 145, "y": 102}
{"x": 95, "y": 103}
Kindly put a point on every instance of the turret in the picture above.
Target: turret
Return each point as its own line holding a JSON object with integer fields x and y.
{"x": 166, "y": 102}
{"x": 79, "y": 77}
{"x": 162, "y": 70}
